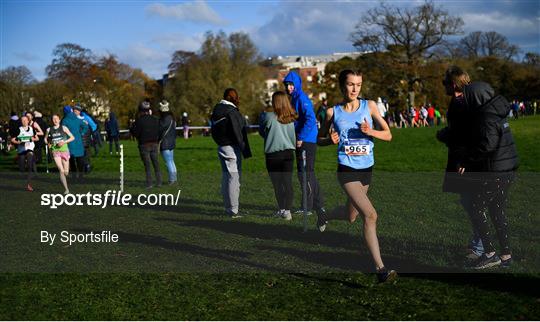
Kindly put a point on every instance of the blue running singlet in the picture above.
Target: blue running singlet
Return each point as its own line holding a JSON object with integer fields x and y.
{"x": 355, "y": 149}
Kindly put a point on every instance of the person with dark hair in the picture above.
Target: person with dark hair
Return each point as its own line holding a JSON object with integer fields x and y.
{"x": 146, "y": 130}
{"x": 456, "y": 136}
{"x": 57, "y": 138}
{"x": 95, "y": 136}
{"x": 39, "y": 133}
{"x": 167, "y": 134}
{"x": 76, "y": 147}
{"x": 321, "y": 112}
{"x": 492, "y": 157}
{"x": 38, "y": 151}
{"x": 230, "y": 134}
{"x": 277, "y": 129}
{"x": 25, "y": 140}
{"x": 113, "y": 132}
{"x": 352, "y": 129}
{"x": 306, "y": 140}
{"x": 13, "y": 124}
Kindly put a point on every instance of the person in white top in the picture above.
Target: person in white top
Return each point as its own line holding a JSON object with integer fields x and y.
{"x": 25, "y": 149}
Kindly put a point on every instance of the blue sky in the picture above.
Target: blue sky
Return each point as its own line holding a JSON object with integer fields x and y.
{"x": 144, "y": 34}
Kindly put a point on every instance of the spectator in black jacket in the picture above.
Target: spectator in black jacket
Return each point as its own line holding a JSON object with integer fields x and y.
{"x": 229, "y": 132}
{"x": 456, "y": 137}
{"x": 492, "y": 158}
{"x": 167, "y": 134}
{"x": 113, "y": 132}
{"x": 38, "y": 118}
{"x": 146, "y": 130}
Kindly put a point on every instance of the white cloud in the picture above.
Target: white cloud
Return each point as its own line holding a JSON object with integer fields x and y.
{"x": 26, "y": 56}
{"x": 153, "y": 56}
{"x": 503, "y": 23}
{"x": 197, "y": 11}
{"x": 309, "y": 28}
{"x": 179, "y": 41}
{"x": 152, "y": 61}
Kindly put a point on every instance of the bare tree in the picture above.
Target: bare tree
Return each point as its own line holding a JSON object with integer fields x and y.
{"x": 531, "y": 59}
{"x": 71, "y": 62}
{"x": 472, "y": 44}
{"x": 495, "y": 44}
{"x": 416, "y": 30}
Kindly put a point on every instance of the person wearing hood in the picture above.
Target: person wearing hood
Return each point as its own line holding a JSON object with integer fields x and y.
{"x": 146, "y": 130}
{"x": 86, "y": 137}
{"x": 492, "y": 158}
{"x": 230, "y": 134}
{"x": 306, "y": 140}
{"x": 113, "y": 132}
{"x": 167, "y": 134}
{"x": 456, "y": 137}
{"x": 76, "y": 147}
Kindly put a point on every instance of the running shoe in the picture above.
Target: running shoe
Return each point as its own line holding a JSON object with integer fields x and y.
{"x": 286, "y": 214}
{"x": 384, "y": 275}
{"x": 278, "y": 213}
{"x": 301, "y": 212}
{"x": 486, "y": 262}
{"x": 506, "y": 263}
{"x": 29, "y": 187}
{"x": 322, "y": 220}
{"x": 473, "y": 255}
{"x": 239, "y": 214}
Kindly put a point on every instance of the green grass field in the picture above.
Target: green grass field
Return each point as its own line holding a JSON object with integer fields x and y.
{"x": 188, "y": 262}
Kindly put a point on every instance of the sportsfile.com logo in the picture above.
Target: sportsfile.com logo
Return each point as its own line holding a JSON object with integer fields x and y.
{"x": 109, "y": 198}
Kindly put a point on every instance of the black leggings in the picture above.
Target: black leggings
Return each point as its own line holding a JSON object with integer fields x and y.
{"x": 115, "y": 140}
{"x": 314, "y": 198}
{"x": 280, "y": 166}
{"x": 76, "y": 165}
{"x": 492, "y": 199}
{"x": 26, "y": 164}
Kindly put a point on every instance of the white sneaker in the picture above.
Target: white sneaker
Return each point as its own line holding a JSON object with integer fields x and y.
{"x": 279, "y": 213}
{"x": 286, "y": 214}
{"x": 301, "y": 212}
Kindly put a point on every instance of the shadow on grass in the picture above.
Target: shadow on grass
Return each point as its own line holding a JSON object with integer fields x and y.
{"x": 359, "y": 260}
{"x": 508, "y": 283}
{"x": 273, "y": 232}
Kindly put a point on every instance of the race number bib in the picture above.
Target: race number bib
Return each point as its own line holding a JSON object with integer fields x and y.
{"x": 25, "y": 138}
{"x": 357, "y": 147}
{"x": 57, "y": 140}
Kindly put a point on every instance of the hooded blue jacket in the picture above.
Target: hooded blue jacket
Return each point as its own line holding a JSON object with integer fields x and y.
{"x": 76, "y": 127}
{"x": 91, "y": 123}
{"x": 306, "y": 124}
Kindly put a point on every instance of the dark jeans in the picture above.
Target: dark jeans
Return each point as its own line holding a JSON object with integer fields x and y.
{"x": 314, "y": 194}
{"x": 149, "y": 155}
{"x": 492, "y": 198}
{"x": 115, "y": 140}
{"x": 280, "y": 166}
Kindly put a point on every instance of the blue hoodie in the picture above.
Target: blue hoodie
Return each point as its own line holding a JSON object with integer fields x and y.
{"x": 306, "y": 125}
{"x": 91, "y": 123}
{"x": 75, "y": 126}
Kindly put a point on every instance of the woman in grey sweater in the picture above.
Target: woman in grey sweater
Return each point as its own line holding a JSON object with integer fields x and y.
{"x": 277, "y": 129}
